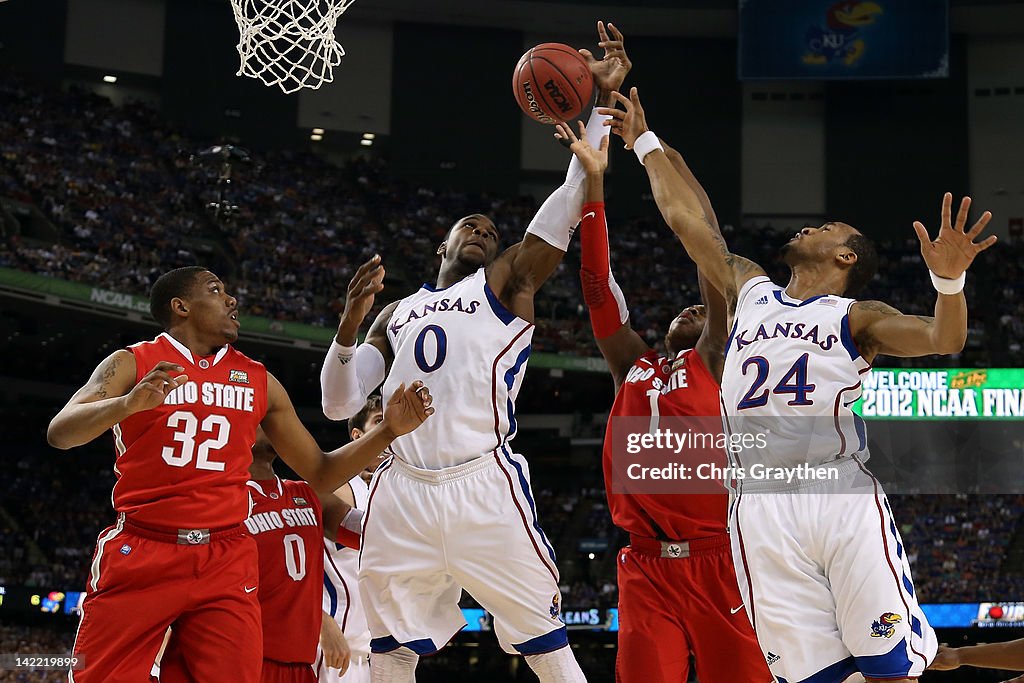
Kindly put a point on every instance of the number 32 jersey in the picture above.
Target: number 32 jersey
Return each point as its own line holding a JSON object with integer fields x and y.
{"x": 185, "y": 463}
{"x": 792, "y": 373}
{"x": 471, "y": 352}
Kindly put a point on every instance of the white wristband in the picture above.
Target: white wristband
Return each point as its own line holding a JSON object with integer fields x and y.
{"x": 945, "y": 285}
{"x": 342, "y": 353}
{"x": 645, "y": 144}
{"x": 353, "y": 520}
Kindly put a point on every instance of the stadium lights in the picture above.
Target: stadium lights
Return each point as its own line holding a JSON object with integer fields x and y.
{"x": 316, "y": 138}
{"x": 591, "y": 555}
{"x": 110, "y": 79}
{"x": 369, "y": 136}
{"x": 366, "y": 143}
{"x": 318, "y": 131}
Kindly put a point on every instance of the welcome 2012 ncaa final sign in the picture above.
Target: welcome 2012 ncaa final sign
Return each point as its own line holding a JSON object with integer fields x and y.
{"x": 942, "y": 394}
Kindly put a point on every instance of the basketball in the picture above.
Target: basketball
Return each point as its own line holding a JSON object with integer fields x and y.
{"x": 552, "y": 83}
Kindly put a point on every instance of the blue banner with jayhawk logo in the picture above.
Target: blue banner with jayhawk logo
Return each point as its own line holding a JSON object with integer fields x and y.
{"x": 848, "y": 39}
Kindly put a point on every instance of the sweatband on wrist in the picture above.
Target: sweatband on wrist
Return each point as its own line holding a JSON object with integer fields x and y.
{"x": 351, "y": 528}
{"x": 945, "y": 285}
{"x": 347, "y": 377}
{"x": 645, "y": 144}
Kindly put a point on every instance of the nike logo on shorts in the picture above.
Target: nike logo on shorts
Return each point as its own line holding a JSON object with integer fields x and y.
{"x": 734, "y": 611}
{"x": 589, "y": 214}
{"x": 249, "y": 590}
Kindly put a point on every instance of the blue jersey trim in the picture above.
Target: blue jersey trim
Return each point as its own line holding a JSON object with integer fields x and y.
{"x": 510, "y": 379}
{"x": 834, "y": 673}
{"x": 503, "y": 314}
{"x": 548, "y": 642}
{"x": 332, "y": 593}
{"x": 893, "y": 664}
{"x": 529, "y": 499}
{"x": 732, "y": 334}
{"x": 846, "y": 336}
{"x": 778, "y": 296}
{"x": 423, "y": 646}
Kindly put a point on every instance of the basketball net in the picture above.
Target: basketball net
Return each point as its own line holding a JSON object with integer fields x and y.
{"x": 289, "y": 43}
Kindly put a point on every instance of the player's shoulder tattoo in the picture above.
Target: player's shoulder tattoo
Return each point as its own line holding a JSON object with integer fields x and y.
{"x": 877, "y": 307}
{"x": 106, "y": 372}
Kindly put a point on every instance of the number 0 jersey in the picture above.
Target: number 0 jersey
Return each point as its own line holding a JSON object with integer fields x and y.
{"x": 471, "y": 352}
{"x": 792, "y": 373}
{"x": 287, "y": 523}
{"x": 659, "y": 386}
{"x": 184, "y": 464}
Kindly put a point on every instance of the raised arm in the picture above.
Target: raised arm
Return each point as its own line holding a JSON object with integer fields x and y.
{"x": 680, "y": 206}
{"x": 618, "y": 342}
{"x": 711, "y": 345}
{"x": 406, "y": 410}
{"x": 531, "y": 262}
{"x": 350, "y": 373}
{"x": 881, "y": 329}
{"x": 111, "y": 395}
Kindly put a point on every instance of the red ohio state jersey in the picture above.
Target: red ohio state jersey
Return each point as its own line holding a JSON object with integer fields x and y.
{"x": 675, "y": 388}
{"x": 287, "y": 525}
{"x": 184, "y": 464}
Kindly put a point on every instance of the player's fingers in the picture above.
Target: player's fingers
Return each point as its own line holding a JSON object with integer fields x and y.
{"x": 623, "y": 100}
{"x": 588, "y": 55}
{"x": 611, "y": 46}
{"x": 980, "y": 225}
{"x": 616, "y": 33}
{"x": 166, "y": 366}
{"x": 601, "y": 32}
{"x": 604, "y": 143}
{"x": 634, "y": 96}
{"x": 947, "y": 204}
{"x": 367, "y": 266}
{"x": 344, "y": 663}
{"x": 179, "y": 380}
{"x": 961, "y": 214}
{"x": 583, "y": 130}
{"x": 615, "y": 114}
{"x": 158, "y": 378}
{"x": 922, "y": 233}
{"x": 985, "y": 244}
{"x": 428, "y": 412}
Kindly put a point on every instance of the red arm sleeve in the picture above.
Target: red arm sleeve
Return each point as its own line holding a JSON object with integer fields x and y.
{"x": 601, "y": 293}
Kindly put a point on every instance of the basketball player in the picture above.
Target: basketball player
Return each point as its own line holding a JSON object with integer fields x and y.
{"x": 184, "y": 409}
{"x": 677, "y": 587}
{"x": 289, "y": 522}
{"x": 341, "y": 568}
{"x": 824, "y": 577}
{"x": 453, "y": 509}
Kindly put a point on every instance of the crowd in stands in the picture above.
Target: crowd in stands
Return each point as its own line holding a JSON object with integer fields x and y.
{"x": 128, "y": 204}
{"x": 34, "y": 640}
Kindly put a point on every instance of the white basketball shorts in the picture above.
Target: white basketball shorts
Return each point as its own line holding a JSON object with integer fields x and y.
{"x": 429, "y": 534}
{"x": 826, "y": 582}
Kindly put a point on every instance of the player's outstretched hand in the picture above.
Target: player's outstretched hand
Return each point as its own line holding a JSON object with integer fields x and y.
{"x": 154, "y": 387}
{"x": 594, "y": 161}
{"x": 365, "y": 285}
{"x": 954, "y": 249}
{"x": 408, "y": 408}
{"x": 946, "y": 659}
{"x": 610, "y": 71}
{"x": 337, "y": 653}
{"x": 628, "y": 123}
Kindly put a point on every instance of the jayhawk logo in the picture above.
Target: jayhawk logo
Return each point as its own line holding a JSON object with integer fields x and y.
{"x": 839, "y": 38}
{"x": 555, "y": 608}
{"x": 885, "y": 626}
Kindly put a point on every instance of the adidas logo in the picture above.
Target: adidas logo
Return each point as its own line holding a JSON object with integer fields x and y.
{"x": 771, "y": 657}
{"x": 762, "y": 301}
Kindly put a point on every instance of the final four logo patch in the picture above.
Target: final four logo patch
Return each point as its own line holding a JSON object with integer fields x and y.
{"x": 240, "y": 376}
{"x": 301, "y": 502}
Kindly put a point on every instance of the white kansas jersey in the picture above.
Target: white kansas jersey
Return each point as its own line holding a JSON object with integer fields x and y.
{"x": 792, "y": 373}
{"x": 341, "y": 583}
{"x": 471, "y": 352}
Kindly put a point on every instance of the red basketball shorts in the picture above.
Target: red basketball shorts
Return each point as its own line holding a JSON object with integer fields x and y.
{"x": 678, "y": 606}
{"x": 138, "y": 586}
